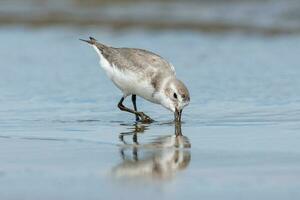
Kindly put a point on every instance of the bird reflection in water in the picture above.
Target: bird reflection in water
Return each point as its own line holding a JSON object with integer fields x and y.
{"x": 159, "y": 159}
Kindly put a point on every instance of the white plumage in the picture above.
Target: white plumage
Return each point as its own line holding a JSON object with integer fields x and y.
{"x": 139, "y": 72}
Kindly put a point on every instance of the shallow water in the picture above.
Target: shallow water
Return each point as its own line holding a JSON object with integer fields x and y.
{"x": 62, "y": 136}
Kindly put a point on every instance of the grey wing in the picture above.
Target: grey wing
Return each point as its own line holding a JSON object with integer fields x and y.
{"x": 141, "y": 61}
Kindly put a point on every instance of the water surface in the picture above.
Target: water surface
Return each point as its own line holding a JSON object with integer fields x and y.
{"x": 62, "y": 136}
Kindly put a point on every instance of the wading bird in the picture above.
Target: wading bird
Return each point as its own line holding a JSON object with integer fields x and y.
{"x": 139, "y": 72}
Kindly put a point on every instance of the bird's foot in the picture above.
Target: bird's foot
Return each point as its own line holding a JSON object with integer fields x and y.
{"x": 145, "y": 118}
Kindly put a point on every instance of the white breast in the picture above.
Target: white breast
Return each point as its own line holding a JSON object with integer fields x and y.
{"x": 128, "y": 82}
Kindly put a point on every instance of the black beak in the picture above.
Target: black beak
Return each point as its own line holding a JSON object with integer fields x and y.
{"x": 177, "y": 115}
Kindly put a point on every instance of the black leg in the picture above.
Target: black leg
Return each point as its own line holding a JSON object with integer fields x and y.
{"x": 123, "y": 108}
{"x": 133, "y": 98}
{"x": 144, "y": 117}
{"x": 135, "y": 154}
{"x": 135, "y": 138}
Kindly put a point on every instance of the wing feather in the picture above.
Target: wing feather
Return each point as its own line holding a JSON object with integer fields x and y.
{"x": 140, "y": 61}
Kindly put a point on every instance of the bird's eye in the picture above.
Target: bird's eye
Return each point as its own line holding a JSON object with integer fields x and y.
{"x": 175, "y": 95}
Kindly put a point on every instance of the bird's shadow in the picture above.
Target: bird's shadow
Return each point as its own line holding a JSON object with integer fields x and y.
{"x": 158, "y": 159}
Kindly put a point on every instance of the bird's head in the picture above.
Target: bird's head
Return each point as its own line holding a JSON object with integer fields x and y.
{"x": 176, "y": 97}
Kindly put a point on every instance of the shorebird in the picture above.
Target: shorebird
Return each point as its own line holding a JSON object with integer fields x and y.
{"x": 139, "y": 72}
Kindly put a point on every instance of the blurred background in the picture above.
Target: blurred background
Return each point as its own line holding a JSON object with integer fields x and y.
{"x": 255, "y": 16}
{"x": 62, "y": 136}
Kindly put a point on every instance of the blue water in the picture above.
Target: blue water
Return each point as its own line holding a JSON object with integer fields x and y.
{"x": 61, "y": 132}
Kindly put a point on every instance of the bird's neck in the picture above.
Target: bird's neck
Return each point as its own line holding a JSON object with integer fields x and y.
{"x": 161, "y": 95}
{"x": 165, "y": 83}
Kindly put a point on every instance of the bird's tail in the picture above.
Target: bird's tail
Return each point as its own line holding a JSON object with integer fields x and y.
{"x": 93, "y": 41}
